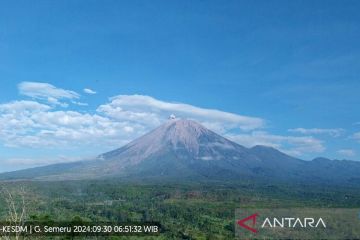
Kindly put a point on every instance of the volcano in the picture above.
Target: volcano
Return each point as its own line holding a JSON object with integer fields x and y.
{"x": 184, "y": 150}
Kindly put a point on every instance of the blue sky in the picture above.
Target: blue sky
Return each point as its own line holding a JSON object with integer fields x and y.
{"x": 279, "y": 73}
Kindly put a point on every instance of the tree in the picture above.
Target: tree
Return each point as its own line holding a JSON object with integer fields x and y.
{"x": 16, "y": 210}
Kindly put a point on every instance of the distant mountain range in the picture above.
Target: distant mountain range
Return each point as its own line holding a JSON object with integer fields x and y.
{"x": 184, "y": 150}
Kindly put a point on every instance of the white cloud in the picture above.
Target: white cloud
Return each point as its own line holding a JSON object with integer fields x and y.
{"x": 47, "y": 92}
{"x": 334, "y": 132}
{"x": 14, "y": 117}
{"x": 151, "y": 112}
{"x": 126, "y": 117}
{"x": 89, "y": 91}
{"x": 23, "y": 107}
{"x": 356, "y": 136}
{"x": 31, "y": 124}
{"x": 289, "y": 144}
{"x": 79, "y": 103}
{"x": 346, "y": 152}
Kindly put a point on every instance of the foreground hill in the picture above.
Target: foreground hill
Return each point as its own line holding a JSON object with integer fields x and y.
{"x": 183, "y": 150}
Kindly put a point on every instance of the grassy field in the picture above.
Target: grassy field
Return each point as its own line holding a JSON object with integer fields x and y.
{"x": 185, "y": 211}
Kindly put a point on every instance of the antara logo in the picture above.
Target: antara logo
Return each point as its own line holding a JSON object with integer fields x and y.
{"x": 249, "y": 218}
{"x": 291, "y": 222}
{"x": 288, "y": 222}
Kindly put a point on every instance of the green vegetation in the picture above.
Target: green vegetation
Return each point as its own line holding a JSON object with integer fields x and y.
{"x": 187, "y": 211}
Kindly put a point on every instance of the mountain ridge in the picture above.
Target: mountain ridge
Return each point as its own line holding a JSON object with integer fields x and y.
{"x": 184, "y": 149}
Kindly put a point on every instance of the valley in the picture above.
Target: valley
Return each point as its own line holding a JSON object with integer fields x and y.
{"x": 185, "y": 211}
